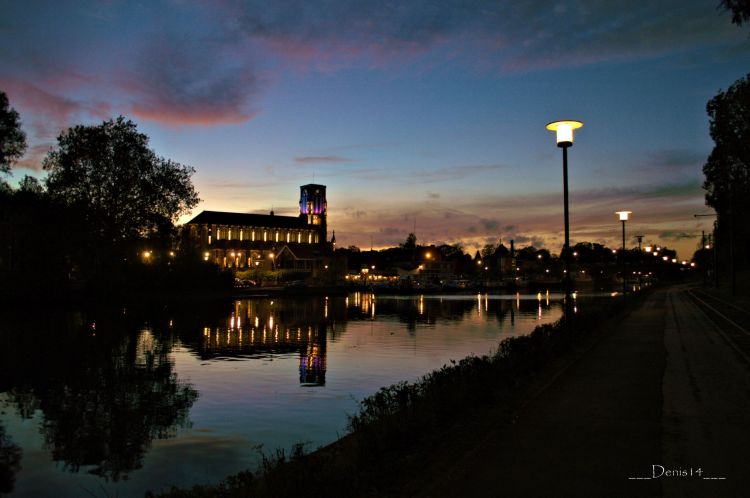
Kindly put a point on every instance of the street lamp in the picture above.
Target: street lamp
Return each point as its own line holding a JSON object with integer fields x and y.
{"x": 623, "y": 215}
{"x": 564, "y": 137}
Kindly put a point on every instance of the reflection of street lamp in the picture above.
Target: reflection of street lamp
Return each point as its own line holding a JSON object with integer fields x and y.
{"x": 623, "y": 215}
{"x": 564, "y": 136}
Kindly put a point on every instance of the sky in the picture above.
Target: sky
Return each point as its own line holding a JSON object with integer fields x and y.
{"x": 426, "y": 115}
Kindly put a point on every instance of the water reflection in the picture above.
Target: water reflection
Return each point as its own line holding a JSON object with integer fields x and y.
{"x": 263, "y": 327}
{"x": 105, "y": 392}
{"x": 10, "y": 462}
{"x": 103, "y": 385}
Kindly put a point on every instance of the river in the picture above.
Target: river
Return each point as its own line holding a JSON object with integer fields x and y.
{"x": 116, "y": 402}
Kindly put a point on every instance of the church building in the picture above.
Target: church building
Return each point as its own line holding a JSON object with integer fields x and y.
{"x": 265, "y": 241}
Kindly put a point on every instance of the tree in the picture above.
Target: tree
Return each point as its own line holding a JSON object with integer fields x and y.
{"x": 740, "y": 10}
{"x": 125, "y": 190}
{"x": 12, "y": 137}
{"x": 727, "y": 169}
{"x": 728, "y": 164}
{"x": 410, "y": 242}
{"x": 31, "y": 185}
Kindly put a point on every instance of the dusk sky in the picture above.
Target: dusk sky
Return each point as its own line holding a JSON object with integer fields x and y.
{"x": 421, "y": 112}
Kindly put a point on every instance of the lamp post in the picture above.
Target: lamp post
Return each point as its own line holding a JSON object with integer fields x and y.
{"x": 564, "y": 137}
{"x": 623, "y": 218}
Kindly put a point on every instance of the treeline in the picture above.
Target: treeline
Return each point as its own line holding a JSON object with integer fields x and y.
{"x": 102, "y": 221}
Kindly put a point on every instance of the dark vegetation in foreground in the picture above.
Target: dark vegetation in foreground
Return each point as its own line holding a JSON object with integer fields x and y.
{"x": 400, "y": 427}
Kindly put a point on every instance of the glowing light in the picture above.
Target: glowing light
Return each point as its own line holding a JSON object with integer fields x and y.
{"x": 564, "y": 131}
{"x": 648, "y": 248}
{"x": 623, "y": 215}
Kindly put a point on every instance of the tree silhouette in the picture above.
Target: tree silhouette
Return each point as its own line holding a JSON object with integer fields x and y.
{"x": 126, "y": 190}
{"x": 727, "y": 169}
{"x": 740, "y": 10}
{"x": 12, "y": 137}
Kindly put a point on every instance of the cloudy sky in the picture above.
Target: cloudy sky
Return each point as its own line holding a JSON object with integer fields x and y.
{"x": 426, "y": 113}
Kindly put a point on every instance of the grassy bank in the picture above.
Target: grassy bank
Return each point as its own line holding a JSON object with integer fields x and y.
{"x": 402, "y": 428}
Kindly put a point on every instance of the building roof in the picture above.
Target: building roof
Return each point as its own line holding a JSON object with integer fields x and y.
{"x": 247, "y": 219}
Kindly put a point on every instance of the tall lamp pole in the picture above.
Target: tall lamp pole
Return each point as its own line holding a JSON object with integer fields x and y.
{"x": 623, "y": 218}
{"x": 564, "y": 136}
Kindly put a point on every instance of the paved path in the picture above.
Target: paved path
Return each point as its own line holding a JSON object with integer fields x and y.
{"x": 664, "y": 389}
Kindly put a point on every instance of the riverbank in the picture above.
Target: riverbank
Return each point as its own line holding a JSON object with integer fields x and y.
{"x": 404, "y": 427}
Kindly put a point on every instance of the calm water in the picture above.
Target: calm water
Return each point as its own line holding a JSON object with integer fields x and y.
{"x": 114, "y": 403}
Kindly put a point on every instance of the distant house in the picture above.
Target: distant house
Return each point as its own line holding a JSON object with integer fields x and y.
{"x": 243, "y": 240}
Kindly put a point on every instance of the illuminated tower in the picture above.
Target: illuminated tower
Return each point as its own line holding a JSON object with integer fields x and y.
{"x": 314, "y": 208}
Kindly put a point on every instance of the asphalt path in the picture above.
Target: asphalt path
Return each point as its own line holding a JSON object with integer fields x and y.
{"x": 657, "y": 406}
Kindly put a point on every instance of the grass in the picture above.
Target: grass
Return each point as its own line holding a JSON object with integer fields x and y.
{"x": 400, "y": 426}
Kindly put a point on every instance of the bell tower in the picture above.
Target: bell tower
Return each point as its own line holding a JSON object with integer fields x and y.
{"x": 314, "y": 208}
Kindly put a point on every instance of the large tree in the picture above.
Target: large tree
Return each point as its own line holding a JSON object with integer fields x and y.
{"x": 123, "y": 188}
{"x": 727, "y": 169}
{"x": 12, "y": 137}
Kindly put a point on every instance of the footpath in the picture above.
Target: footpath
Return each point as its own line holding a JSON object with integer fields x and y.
{"x": 658, "y": 406}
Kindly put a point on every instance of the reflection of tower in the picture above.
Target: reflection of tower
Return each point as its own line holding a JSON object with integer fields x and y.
{"x": 312, "y": 361}
{"x": 314, "y": 208}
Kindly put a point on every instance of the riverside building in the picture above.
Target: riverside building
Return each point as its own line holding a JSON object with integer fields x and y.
{"x": 265, "y": 241}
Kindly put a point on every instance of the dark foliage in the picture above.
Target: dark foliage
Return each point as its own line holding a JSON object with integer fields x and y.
{"x": 727, "y": 169}
{"x": 123, "y": 188}
{"x": 740, "y": 10}
{"x": 12, "y": 137}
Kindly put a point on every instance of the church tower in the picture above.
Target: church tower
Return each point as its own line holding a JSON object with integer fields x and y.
{"x": 314, "y": 208}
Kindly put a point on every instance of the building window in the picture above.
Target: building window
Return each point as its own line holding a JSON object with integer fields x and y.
{"x": 277, "y": 236}
{"x": 309, "y": 238}
{"x": 288, "y": 236}
{"x": 299, "y": 237}
{"x": 252, "y": 235}
{"x": 209, "y": 240}
{"x": 229, "y": 234}
{"x": 241, "y": 234}
{"x": 265, "y": 235}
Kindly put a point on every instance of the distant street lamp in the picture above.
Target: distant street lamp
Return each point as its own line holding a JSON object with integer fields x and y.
{"x": 623, "y": 218}
{"x": 564, "y": 136}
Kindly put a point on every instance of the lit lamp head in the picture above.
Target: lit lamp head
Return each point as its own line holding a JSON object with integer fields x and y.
{"x": 564, "y": 131}
{"x": 623, "y": 215}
